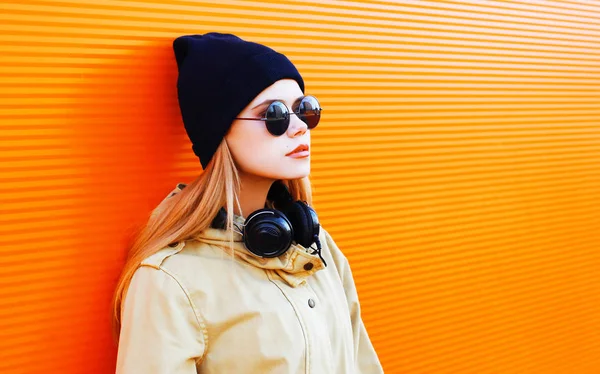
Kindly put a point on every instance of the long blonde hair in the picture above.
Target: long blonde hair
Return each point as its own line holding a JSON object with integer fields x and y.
{"x": 187, "y": 213}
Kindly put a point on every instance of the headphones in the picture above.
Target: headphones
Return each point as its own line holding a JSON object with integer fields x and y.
{"x": 270, "y": 232}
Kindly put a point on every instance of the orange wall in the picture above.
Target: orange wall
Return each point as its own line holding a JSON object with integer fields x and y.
{"x": 457, "y": 165}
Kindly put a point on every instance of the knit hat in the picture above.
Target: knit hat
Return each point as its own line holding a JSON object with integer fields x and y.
{"x": 219, "y": 75}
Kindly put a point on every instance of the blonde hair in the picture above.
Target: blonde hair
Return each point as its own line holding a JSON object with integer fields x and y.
{"x": 186, "y": 214}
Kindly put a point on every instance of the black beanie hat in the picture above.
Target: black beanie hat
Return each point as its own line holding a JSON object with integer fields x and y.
{"x": 219, "y": 75}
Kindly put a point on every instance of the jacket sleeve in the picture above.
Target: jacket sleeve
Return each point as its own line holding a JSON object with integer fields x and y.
{"x": 161, "y": 332}
{"x": 364, "y": 352}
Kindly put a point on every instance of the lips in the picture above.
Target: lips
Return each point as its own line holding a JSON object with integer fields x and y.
{"x": 300, "y": 148}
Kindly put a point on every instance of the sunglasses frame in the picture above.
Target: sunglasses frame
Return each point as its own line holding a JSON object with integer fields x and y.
{"x": 288, "y": 109}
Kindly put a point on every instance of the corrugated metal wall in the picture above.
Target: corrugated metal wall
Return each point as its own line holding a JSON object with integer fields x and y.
{"x": 457, "y": 165}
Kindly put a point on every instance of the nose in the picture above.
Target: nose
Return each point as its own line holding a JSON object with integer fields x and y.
{"x": 297, "y": 127}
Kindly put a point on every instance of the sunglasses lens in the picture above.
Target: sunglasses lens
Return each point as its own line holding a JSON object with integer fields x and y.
{"x": 278, "y": 118}
{"x": 309, "y": 111}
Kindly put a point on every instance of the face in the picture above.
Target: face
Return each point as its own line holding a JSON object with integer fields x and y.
{"x": 258, "y": 152}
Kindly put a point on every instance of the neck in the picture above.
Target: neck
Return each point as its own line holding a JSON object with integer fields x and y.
{"x": 253, "y": 193}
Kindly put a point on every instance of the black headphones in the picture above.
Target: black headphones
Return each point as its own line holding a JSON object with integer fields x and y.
{"x": 269, "y": 232}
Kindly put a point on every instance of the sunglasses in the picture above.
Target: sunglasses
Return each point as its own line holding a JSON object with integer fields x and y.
{"x": 277, "y": 115}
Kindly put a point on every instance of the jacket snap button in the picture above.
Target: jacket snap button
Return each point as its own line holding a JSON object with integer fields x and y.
{"x": 308, "y": 266}
{"x": 311, "y": 303}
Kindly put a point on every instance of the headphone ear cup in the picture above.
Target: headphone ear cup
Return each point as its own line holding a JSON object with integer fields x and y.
{"x": 268, "y": 233}
{"x": 305, "y": 222}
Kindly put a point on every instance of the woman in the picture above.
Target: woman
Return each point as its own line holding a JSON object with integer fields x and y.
{"x": 209, "y": 288}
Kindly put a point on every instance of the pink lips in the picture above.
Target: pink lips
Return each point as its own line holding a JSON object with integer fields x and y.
{"x": 300, "y": 151}
{"x": 301, "y": 154}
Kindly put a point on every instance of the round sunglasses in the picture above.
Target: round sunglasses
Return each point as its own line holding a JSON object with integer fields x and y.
{"x": 277, "y": 115}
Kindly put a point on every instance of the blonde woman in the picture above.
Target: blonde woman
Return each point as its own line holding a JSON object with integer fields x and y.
{"x": 233, "y": 273}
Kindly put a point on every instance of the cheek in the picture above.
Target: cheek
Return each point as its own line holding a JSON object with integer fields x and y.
{"x": 252, "y": 149}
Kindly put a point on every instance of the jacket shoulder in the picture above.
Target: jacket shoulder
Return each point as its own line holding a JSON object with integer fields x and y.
{"x": 155, "y": 260}
{"x": 338, "y": 257}
{"x": 335, "y": 251}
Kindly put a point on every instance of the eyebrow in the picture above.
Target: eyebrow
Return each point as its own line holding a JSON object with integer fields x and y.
{"x": 269, "y": 101}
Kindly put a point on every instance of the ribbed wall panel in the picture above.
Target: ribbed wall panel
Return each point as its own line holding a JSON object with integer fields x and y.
{"x": 457, "y": 166}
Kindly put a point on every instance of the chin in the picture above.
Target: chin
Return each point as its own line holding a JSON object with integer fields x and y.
{"x": 282, "y": 170}
{"x": 292, "y": 175}
{"x": 289, "y": 173}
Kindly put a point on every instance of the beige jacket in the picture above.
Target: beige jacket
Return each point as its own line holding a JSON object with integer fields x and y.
{"x": 192, "y": 308}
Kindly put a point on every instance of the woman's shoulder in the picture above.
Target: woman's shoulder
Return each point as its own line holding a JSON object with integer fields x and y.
{"x": 183, "y": 255}
{"x": 328, "y": 241}
{"x": 333, "y": 251}
{"x": 194, "y": 263}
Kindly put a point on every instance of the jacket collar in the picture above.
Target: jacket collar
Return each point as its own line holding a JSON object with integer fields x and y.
{"x": 294, "y": 266}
